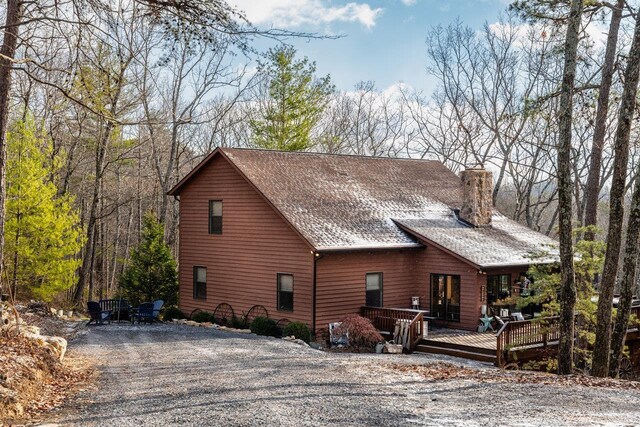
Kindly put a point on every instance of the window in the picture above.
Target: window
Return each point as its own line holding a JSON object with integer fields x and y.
{"x": 215, "y": 216}
{"x": 199, "y": 282}
{"x": 373, "y": 285}
{"x": 498, "y": 287}
{"x": 445, "y": 297}
{"x": 285, "y": 292}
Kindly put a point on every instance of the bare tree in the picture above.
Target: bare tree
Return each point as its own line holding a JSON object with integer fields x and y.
{"x": 601, "y": 349}
{"x": 565, "y": 215}
{"x": 608, "y": 67}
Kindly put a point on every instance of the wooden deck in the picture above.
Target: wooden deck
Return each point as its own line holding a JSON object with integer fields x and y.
{"x": 485, "y": 340}
{"x": 468, "y": 345}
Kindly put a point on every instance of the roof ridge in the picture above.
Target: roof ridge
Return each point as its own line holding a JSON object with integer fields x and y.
{"x": 315, "y": 153}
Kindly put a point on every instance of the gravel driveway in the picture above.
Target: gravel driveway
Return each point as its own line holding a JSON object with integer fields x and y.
{"x": 166, "y": 375}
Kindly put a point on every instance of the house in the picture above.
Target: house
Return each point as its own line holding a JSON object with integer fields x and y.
{"x": 313, "y": 237}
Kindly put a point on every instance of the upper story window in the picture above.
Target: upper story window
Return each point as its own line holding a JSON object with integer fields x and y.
{"x": 199, "y": 282}
{"x": 373, "y": 285}
{"x": 285, "y": 292}
{"x": 215, "y": 216}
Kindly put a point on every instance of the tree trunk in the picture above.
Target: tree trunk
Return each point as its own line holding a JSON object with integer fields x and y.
{"x": 565, "y": 209}
{"x": 600, "y": 364}
{"x": 628, "y": 283}
{"x": 592, "y": 189}
{"x": 87, "y": 260}
{"x": 8, "y": 52}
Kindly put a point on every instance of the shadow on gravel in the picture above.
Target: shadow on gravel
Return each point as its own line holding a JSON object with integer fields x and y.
{"x": 158, "y": 333}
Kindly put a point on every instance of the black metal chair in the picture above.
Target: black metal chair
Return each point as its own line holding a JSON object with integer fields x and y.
{"x": 97, "y": 314}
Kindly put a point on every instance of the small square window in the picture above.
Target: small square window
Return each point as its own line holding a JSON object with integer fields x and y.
{"x": 285, "y": 292}
{"x": 373, "y": 285}
{"x": 215, "y": 216}
{"x": 199, "y": 283}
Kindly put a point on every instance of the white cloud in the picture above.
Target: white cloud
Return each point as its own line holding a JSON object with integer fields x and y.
{"x": 408, "y": 2}
{"x": 295, "y": 13}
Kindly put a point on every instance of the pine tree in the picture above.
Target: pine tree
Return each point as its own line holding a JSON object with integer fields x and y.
{"x": 296, "y": 99}
{"x": 151, "y": 273}
{"x": 43, "y": 235}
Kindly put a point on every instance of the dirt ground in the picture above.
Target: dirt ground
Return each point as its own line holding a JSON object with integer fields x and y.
{"x": 165, "y": 375}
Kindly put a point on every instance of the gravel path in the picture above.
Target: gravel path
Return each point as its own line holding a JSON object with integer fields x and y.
{"x": 166, "y": 375}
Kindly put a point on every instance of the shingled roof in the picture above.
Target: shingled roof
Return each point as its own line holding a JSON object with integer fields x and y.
{"x": 504, "y": 243}
{"x": 342, "y": 202}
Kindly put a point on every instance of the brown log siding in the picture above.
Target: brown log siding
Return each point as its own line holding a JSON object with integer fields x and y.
{"x": 406, "y": 273}
{"x": 255, "y": 245}
{"x": 341, "y": 281}
{"x": 437, "y": 261}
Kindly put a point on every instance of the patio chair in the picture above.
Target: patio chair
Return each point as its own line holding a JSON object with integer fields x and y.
{"x": 517, "y": 316}
{"x": 157, "y": 306}
{"x": 144, "y": 313}
{"x": 147, "y": 312}
{"x": 97, "y": 314}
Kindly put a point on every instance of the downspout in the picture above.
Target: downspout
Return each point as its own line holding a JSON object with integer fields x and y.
{"x": 316, "y": 256}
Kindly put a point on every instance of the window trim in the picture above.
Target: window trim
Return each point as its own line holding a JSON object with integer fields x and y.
{"x": 278, "y": 308}
{"x": 195, "y": 282}
{"x": 381, "y": 290}
{"x": 211, "y": 216}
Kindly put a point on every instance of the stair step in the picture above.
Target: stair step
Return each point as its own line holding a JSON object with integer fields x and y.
{"x": 473, "y": 355}
{"x": 461, "y": 347}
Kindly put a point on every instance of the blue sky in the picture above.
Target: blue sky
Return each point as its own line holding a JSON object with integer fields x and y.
{"x": 384, "y": 40}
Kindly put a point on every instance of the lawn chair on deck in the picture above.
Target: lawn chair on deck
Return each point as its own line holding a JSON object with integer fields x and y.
{"x": 97, "y": 314}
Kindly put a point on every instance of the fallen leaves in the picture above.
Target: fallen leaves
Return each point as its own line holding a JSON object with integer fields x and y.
{"x": 33, "y": 381}
{"x": 442, "y": 371}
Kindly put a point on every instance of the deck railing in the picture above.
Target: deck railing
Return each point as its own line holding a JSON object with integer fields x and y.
{"x": 385, "y": 320}
{"x": 536, "y": 332}
{"x": 523, "y": 333}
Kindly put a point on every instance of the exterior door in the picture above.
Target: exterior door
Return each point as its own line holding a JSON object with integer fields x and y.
{"x": 445, "y": 297}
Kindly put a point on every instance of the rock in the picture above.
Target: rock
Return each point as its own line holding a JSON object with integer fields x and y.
{"x": 392, "y": 348}
{"x": 29, "y": 329}
{"x": 315, "y": 345}
{"x": 191, "y": 323}
{"x": 206, "y": 325}
{"x": 57, "y": 345}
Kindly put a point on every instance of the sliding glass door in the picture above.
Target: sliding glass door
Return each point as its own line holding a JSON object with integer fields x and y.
{"x": 445, "y": 297}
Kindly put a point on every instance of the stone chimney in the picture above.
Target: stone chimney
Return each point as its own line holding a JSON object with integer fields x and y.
{"x": 477, "y": 203}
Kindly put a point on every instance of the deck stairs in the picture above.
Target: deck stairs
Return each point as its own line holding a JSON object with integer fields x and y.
{"x": 456, "y": 349}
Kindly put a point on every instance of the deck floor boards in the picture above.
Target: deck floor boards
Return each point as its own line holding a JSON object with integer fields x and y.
{"x": 469, "y": 339}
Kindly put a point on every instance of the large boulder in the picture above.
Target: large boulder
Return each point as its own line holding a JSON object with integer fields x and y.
{"x": 56, "y": 345}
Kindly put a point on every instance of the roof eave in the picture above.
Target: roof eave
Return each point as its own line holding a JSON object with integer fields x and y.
{"x": 518, "y": 264}
{"x": 175, "y": 191}
{"x": 355, "y": 248}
